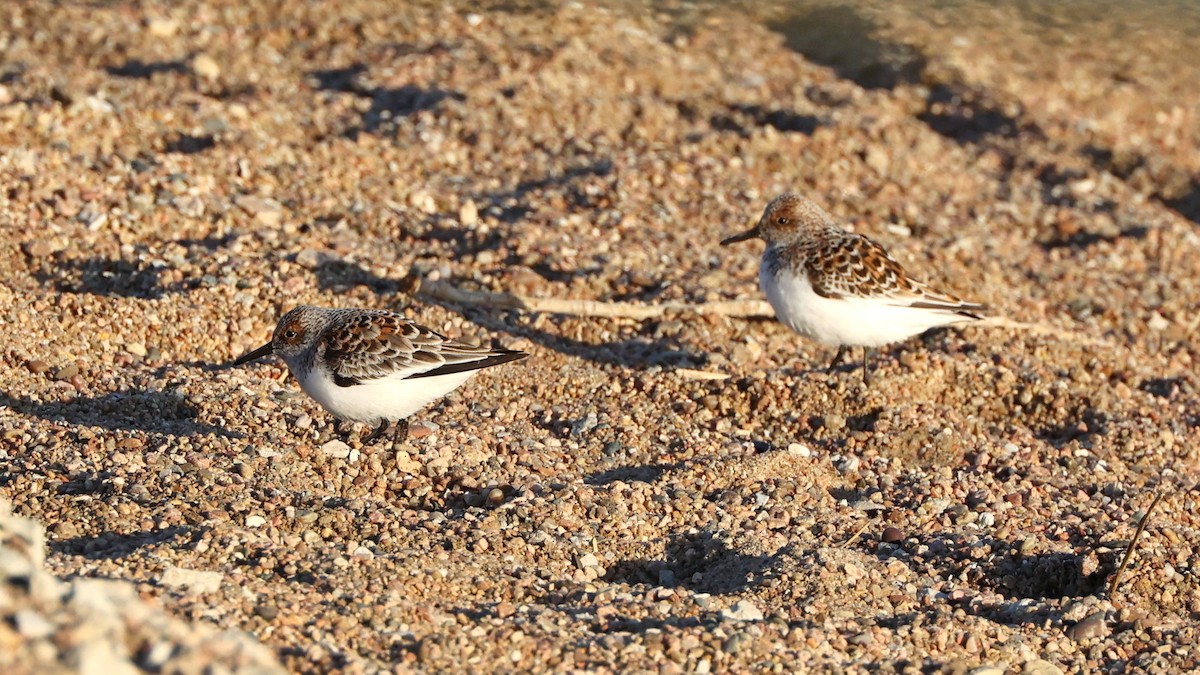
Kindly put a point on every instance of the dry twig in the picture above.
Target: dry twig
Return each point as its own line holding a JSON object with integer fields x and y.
{"x": 445, "y": 292}
{"x": 1112, "y": 588}
{"x": 1044, "y": 329}
{"x": 742, "y": 309}
{"x": 854, "y": 536}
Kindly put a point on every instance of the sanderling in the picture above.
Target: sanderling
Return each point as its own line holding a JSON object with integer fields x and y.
{"x": 372, "y": 366}
{"x": 841, "y": 288}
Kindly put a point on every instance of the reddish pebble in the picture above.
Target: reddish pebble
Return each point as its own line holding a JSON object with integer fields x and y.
{"x": 892, "y": 535}
{"x": 419, "y": 431}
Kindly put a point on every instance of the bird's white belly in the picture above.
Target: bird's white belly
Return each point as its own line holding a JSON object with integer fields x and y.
{"x": 383, "y": 399}
{"x": 864, "y": 322}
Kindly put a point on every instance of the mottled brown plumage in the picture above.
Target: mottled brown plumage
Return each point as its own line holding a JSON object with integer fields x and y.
{"x": 839, "y": 264}
{"x": 372, "y": 365}
{"x": 373, "y": 344}
{"x": 843, "y": 264}
{"x": 842, "y": 288}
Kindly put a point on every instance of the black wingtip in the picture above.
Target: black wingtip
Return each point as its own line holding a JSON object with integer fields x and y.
{"x": 962, "y": 310}
{"x": 970, "y": 310}
{"x": 495, "y": 358}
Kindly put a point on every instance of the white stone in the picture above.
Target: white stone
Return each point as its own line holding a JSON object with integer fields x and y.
{"x": 195, "y": 581}
{"x": 161, "y": 27}
{"x": 32, "y": 625}
{"x": 100, "y": 657}
{"x": 743, "y": 610}
{"x": 799, "y": 450}
{"x": 336, "y": 448}
{"x": 206, "y": 66}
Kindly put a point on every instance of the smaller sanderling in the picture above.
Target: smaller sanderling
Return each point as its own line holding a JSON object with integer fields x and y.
{"x": 841, "y": 288}
{"x": 372, "y": 366}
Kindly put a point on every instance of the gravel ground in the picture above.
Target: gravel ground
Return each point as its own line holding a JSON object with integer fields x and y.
{"x": 177, "y": 174}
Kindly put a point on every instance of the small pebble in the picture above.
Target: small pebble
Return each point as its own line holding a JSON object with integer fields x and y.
{"x": 1092, "y": 626}
{"x": 336, "y": 448}
{"x": 1040, "y": 667}
{"x": 206, "y": 66}
{"x": 743, "y": 610}
{"x": 32, "y": 625}
{"x": 67, "y": 372}
{"x": 195, "y": 581}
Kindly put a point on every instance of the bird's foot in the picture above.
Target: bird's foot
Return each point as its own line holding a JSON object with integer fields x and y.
{"x": 399, "y": 434}
{"x": 837, "y": 359}
{"x": 376, "y": 433}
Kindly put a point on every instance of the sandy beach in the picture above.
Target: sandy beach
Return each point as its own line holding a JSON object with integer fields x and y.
{"x": 677, "y": 490}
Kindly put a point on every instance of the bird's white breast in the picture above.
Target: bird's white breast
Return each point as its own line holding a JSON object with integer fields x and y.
{"x": 388, "y": 398}
{"x": 867, "y": 322}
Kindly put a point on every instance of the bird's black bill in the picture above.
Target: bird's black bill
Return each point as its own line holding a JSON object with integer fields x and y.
{"x": 262, "y": 351}
{"x": 748, "y": 234}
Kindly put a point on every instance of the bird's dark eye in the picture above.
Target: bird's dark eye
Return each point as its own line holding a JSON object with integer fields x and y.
{"x": 781, "y": 220}
{"x": 289, "y": 334}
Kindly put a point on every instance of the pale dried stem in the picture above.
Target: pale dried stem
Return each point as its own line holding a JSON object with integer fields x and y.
{"x": 856, "y": 535}
{"x": 742, "y": 309}
{"x": 445, "y": 292}
{"x": 1112, "y": 587}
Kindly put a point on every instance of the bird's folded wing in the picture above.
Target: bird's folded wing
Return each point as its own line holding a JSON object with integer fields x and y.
{"x": 853, "y": 266}
{"x": 930, "y": 299}
{"x": 378, "y": 345}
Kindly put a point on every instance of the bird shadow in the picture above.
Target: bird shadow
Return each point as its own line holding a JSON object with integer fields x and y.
{"x": 1085, "y": 239}
{"x": 189, "y": 144}
{"x": 632, "y": 352}
{"x": 510, "y": 200}
{"x": 114, "y": 546}
{"x": 966, "y": 115}
{"x": 1175, "y": 186}
{"x": 984, "y": 562}
{"x": 1165, "y": 387}
{"x": 1083, "y": 425}
{"x": 699, "y": 561}
{"x": 1047, "y": 576}
{"x": 128, "y": 410}
{"x": 123, "y": 277}
{"x": 387, "y": 103}
{"x": 845, "y": 41}
{"x": 170, "y": 368}
{"x": 112, "y": 276}
{"x": 144, "y": 70}
{"x": 645, "y": 473}
{"x": 743, "y": 119}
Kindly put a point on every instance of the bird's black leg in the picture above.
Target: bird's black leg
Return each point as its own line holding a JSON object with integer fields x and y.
{"x": 401, "y": 432}
{"x": 837, "y": 358}
{"x": 866, "y": 362}
{"x": 337, "y": 427}
{"x": 374, "y": 435}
